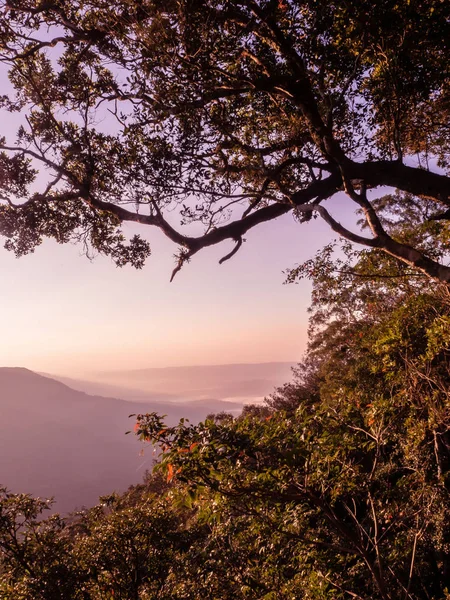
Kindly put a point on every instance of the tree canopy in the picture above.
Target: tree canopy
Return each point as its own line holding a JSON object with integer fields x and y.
{"x": 224, "y": 115}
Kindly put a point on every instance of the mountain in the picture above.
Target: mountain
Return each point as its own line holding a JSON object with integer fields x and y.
{"x": 57, "y": 441}
{"x": 242, "y": 382}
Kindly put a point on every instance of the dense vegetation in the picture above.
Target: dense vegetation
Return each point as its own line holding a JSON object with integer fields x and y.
{"x": 338, "y": 487}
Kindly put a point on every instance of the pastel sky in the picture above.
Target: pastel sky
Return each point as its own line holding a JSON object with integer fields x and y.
{"x": 63, "y": 314}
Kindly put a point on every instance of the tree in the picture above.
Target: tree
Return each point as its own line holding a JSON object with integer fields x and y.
{"x": 134, "y": 109}
{"x": 354, "y": 480}
{"x": 348, "y": 466}
{"x": 128, "y": 552}
{"x": 35, "y": 553}
{"x": 129, "y": 546}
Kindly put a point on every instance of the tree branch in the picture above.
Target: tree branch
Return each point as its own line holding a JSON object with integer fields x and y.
{"x": 418, "y": 182}
{"x": 233, "y": 252}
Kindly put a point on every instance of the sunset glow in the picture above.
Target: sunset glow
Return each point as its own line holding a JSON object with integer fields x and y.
{"x": 62, "y": 313}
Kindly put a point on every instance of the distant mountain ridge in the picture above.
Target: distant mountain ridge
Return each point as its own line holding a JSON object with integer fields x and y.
{"x": 249, "y": 381}
{"x": 57, "y": 441}
{"x": 205, "y": 368}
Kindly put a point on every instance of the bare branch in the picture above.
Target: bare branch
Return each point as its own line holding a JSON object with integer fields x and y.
{"x": 233, "y": 252}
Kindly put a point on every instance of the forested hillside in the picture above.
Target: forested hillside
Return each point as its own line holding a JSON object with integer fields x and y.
{"x": 337, "y": 487}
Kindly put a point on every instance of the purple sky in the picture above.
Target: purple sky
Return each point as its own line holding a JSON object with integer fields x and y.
{"x": 61, "y": 313}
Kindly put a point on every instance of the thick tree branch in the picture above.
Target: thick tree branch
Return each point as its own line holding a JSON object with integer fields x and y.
{"x": 418, "y": 182}
{"x": 233, "y": 252}
{"x": 337, "y": 227}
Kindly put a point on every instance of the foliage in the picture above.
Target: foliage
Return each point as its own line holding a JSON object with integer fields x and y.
{"x": 222, "y": 114}
{"x": 129, "y": 552}
{"x": 355, "y": 481}
{"x": 337, "y": 487}
{"x": 122, "y": 548}
{"x": 35, "y": 553}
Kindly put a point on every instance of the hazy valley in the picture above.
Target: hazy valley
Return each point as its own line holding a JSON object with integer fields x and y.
{"x": 67, "y": 438}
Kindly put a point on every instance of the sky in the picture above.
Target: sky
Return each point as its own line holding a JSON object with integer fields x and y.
{"x": 62, "y": 313}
